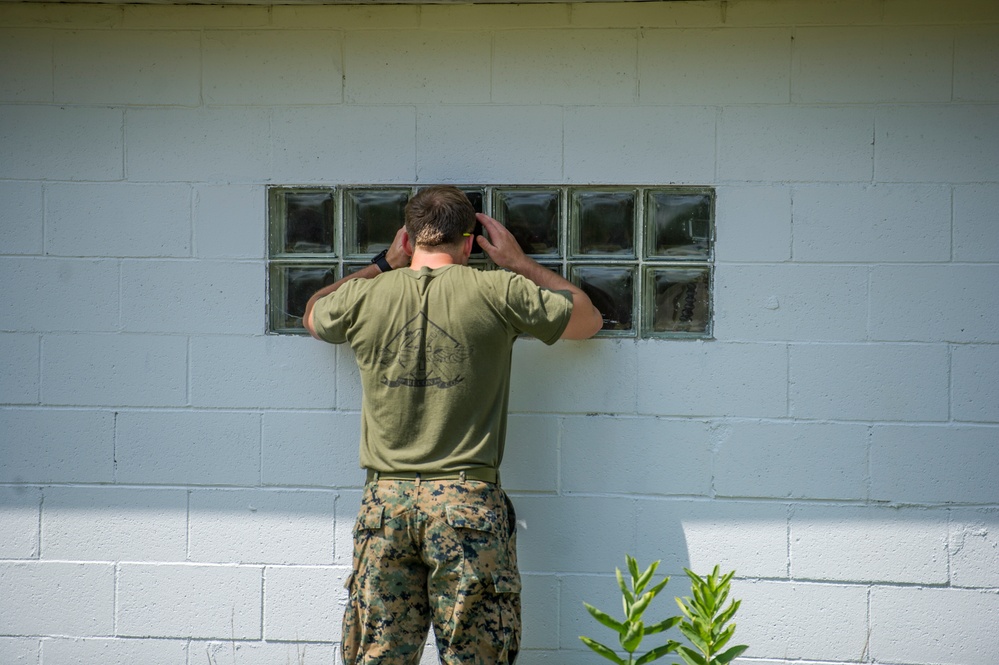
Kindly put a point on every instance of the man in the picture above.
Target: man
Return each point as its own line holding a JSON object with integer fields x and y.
{"x": 434, "y": 539}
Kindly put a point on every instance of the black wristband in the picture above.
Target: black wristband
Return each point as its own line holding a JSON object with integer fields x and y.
{"x": 380, "y": 261}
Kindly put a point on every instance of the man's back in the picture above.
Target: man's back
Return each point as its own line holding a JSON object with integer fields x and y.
{"x": 433, "y": 348}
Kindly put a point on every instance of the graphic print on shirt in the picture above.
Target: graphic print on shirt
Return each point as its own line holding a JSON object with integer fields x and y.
{"x": 422, "y": 355}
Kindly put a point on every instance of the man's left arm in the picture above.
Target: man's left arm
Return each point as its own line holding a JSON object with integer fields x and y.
{"x": 397, "y": 257}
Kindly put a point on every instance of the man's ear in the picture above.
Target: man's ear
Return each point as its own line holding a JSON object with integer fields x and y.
{"x": 406, "y": 244}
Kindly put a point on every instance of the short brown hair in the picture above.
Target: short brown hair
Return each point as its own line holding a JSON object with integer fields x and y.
{"x": 439, "y": 215}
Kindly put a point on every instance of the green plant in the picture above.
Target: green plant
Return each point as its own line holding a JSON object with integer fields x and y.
{"x": 704, "y": 622}
{"x": 631, "y": 631}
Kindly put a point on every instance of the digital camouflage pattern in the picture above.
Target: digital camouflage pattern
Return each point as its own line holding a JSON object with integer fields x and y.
{"x": 440, "y": 552}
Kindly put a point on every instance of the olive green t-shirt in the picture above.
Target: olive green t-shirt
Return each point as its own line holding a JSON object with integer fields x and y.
{"x": 433, "y": 348}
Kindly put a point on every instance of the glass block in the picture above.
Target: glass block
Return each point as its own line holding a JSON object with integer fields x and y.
{"x": 291, "y": 286}
{"x": 532, "y": 216}
{"x": 372, "y": 217}
{"x": 603, "y": 222}
{"x": 612, "y": 290}
{"x": 677, "y": 300}
{"x": 476, "y": 196}
{"x": 678, "y": 224}
{"x": 303, "y": 221}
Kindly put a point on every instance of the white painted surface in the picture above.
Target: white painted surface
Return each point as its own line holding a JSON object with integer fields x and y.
{"x": 177, "y": 487}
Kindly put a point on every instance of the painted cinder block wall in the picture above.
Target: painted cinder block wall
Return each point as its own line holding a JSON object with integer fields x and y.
{"x": 177, "y": 487}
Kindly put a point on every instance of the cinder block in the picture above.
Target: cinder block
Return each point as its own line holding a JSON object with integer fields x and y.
{"x": 530, "y": 461}
{"x": 496, "y": 16}
{"x": 27, "y": 74}
{"x": 975, "y": 383}
{"x": 138, "y": 67}
{"x": 264, "y": 653}
{"x": 19, "y": 365}
{"x": 712, "y": 378}
{"x": 199, "y": 17}
{"x": 869, "y": 382}
{"x": 116, "y": 370}
{"x": 261, "y": 526}
{"x": 53, "y": 446}
{"x": 21, "y": 229}
{"x": 20, "y": 508}
{"x": 636, "y": 456}
{"x": 348, "y": 379}
{"x": 346, "y": 507}
{"x": 61, "y": 143}
{"x": 753, "y": 223}
{"x": 657, "y": 14}
{"x": 189, "y": 601}
{"x": 403, "y": 67}
{"x": 791, "y": 302}
{"x": 914, "y": 625}
{"x": 976, "y": 223}
{"x": 872, "y": 223}
{"x": 565, "y": 67}
{"x": 303, "y": 603}
{"x": 264, "y": 67}
{"x": 974, "y": 547}
{"x": 49, "y": 598}
{"x": 934, "y": 464}
{"x": 229, "y": 222}
{"x": 719, "y": 66}
{"x": 472, "y": 144}
{"x": 114, "y": 524}
{"x": 796, "y": 144}
{"x": 118, "y": 220}
{"x": 791, "y": 460}
{"x": 338, "y": 145}
{"x": 539, "y": 599}
{"x": 20, "y": 650}
{"x": 974, "y": 12}
{"x": 198, "y": 145}
{"x": 976, "y": 50}
{"x": 192, "y": 297}
{"x": 81, "y": 295}
{"x": 602, "y": 592}
{"x": 750, "y": 537}
{"x": 935, "y": 303}
{"x": 754, "y": 13}
{"x": 188, "y": 448}
{"x": 792, "y": 620}
{"x": 344, "y": 17}
{"x": 555, "y": 534}
{"x": 114, "y": 652}
{"x": 937, "y": 143}
{"x": 262, "y": 372}
{"x": 595, "y": 376}
{"x": 849, "y": 544}
{"x": 615, "y": 144}
{"x": 311, "y": 449}
{"x": 872, "y": 64}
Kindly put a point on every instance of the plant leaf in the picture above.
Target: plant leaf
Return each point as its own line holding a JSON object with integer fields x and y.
{"x": 632, "y": 566}
{"x": 731, "y": 654}
{"x": 657, "y": 653}
{"x": 691, "y": 657}
{"x": 646, "y": 577}
{"x": 604, "y": 651}
{"x": 665, "y": 624}
{"x": 605, "y": 619}
{"x": 633, "y": 637}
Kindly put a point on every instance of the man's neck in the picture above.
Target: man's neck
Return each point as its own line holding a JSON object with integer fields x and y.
{"x": 423, "y": 258}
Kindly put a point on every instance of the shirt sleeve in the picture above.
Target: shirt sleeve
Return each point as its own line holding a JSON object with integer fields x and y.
{"x": 332, "y": 315}
{"x": 539, "y": 312}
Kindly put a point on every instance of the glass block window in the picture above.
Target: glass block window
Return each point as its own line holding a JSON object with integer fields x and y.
{"x": 644, "y": 254}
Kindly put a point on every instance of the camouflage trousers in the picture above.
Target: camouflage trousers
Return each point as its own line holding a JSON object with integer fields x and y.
{"x": 440, "y": 552}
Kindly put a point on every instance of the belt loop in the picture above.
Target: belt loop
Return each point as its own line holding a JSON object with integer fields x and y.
{"x": 461, "y": 477}
{"x": 418, "y": 479}
{"x": 376, "y": 476}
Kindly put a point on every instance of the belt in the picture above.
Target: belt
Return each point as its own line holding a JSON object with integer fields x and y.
{"x": 484, "y": 474}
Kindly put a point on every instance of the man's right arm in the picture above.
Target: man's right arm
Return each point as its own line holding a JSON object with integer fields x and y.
{"x": 585, "y": 321}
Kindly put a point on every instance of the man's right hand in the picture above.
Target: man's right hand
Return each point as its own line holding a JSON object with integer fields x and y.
{"x": 501, "y": 246}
